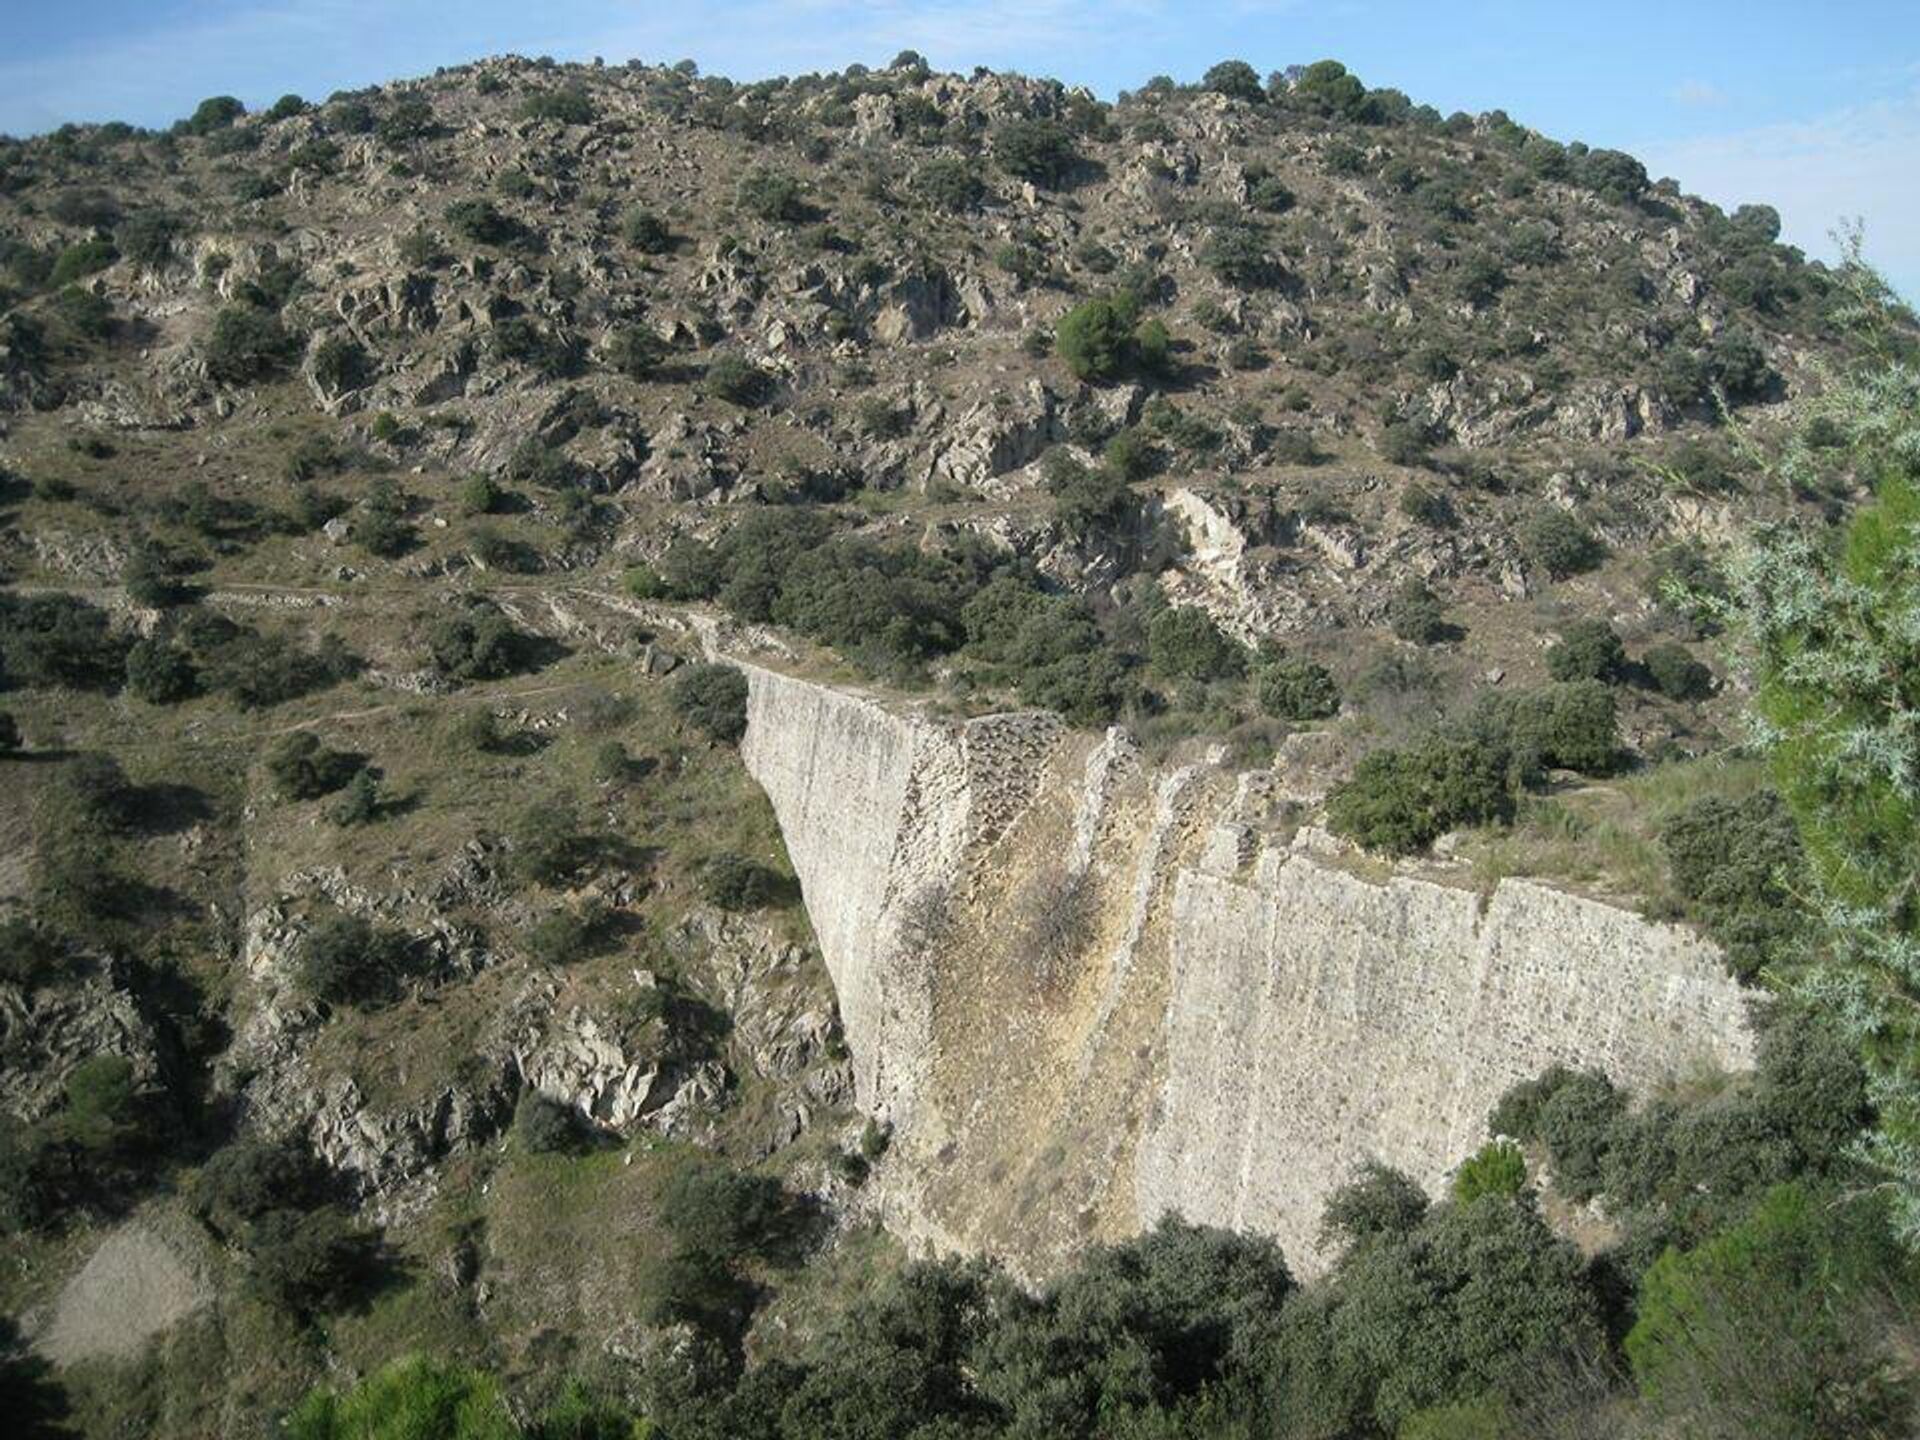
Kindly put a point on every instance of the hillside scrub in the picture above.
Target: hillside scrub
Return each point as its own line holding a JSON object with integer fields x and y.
{"x": 1216, "y": 410}
{"x": 1473, "y": 770}
{"x": 1834, "y": 709}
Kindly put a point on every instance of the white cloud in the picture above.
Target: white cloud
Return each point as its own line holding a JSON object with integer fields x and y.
{"x": 1859, "y": 161}
{"x": 1697, "y": 93}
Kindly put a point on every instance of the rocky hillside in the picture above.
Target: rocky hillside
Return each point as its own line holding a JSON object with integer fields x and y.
{"x": 506, "y": 578}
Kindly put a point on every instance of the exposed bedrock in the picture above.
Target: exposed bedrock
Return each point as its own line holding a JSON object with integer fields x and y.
{"x": 1086, "y": 990}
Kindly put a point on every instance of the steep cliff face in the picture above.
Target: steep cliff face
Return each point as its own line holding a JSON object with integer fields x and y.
{"x": 1317, "y": 1017}
{"x": 885, "y": 812}
{"x": 1087, "y": 991}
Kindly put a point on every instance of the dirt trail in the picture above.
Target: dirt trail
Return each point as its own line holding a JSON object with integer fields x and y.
{"x": 144, "y": 1278}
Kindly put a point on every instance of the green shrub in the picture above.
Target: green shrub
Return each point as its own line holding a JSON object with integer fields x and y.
{"x": 407, "y": 119}
{"x": 569, "y": 105}
{"x": 1378, "y": 1201}
{"x": 1402, "y": 800}
{"x": 1266, "y": 191}
{"x": 1297, "y": 690}
{"x": 564, "y": 935}
{"x": 636, "y": 352}
{"x": 546, "y": 843}
{"x": 1040, "y": 151}
{"x": 340, "y": 364}
{"x": 1496, "y": 1168}
{"x": 536, "y": 461}
{"x": 1240, "y": 255}
{"x": 86, "y": 315}
{"x": 360, "y": 802}
{"x": 246, "y": 345}
{"x": 1516, "y": 1114}
{"x": 950, "y": 183}
{"x": 545, "y": 1126}
{"x": 481, "y": 222}
{"x": 217, "y": 112}
{"x": 1486, "y": 1417}
{"x": 1587, "y": 650}
{"x": 1676, "y": 674}
{"x": 1475, "y": 1298}
{"x": 1431, "y": 508}
{"x": 1129, "y": 455}
{"x": 713, "y": 699}
{"x": 519, "y": 339}
{"x": 59, "y": 640}
{"x": 733, "y": 882}
{"x": 476, "y": 642}
{"x": 1554, "y": 541}
{"x": 646, "y": 231}
{"x": 737, "y": 380}
{"x": 103, "y": 1103}
{"x": 1479, "y": 277}
{"x": 1184, "y": 643}
{"x": 246, "y": 1179}
{"x": 80, "y": 260}
{"x": 482, "y": 495}
{"x": 10, "y": 741}
{"x": 732, "y": 1212}
{"x": 1104, "y": 339}
{"x": 478, "y": 729}
{"x": 346, "y": 959}
{"x": 1327, "y": 87}
{"x": 257, "y": 670}
{"x": 151, "y": 577}
{"x": 420, "y": 249}
{"x": 1415, "y": 614}
{"x": 1572, "y": 726}
{"x": 1089, "y": 502}
{"x": 1738, "y": 866}
{"x": 1575, "y": 1122}
{"x": 1235, "y": 79}
{"x": 1759, "y": 1331}
{"x": 304, "y": 769}
{"x": 1404, "y": 442}
{"x": 1812, "y": 1086}
{"x": 1738, "y": 365}
{"x": 611, "y": 763}
{"x": 93, "y": 789}
{"x": 411, "y": 1399}
{"x": 350, "y": 116}
{"x": 772, "y": 195}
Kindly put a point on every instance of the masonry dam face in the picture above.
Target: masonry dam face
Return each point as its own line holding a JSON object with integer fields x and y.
{"x": 1086, "y": 991}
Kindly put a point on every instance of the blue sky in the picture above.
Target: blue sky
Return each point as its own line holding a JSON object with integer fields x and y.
{"x": 1814, "y": 108}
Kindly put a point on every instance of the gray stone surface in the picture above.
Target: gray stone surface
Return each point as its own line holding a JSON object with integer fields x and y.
{"x": 1230, "y": 1022}
{"x": 144, "y": 1278}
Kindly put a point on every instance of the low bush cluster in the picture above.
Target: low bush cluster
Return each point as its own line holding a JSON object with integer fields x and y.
{"x": 1297, "y": 690}
{"x": 713, "y": 699}
{"x": 1470, "y": 771}
{"x": 348, "y": 960}
{"x": 1106, "y": 339}
{"x": 304, "y": 769}
{"x": 1587, "y": 650}
{"x": 1737, "y": 866}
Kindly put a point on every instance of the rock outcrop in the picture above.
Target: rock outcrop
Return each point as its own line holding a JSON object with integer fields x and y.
{"x": 46, "y": 1034}
{"x": 1086, "y": 991}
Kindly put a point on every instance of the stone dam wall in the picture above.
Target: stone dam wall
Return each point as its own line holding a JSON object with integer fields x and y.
{"x": 1087, "y": 991}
